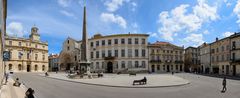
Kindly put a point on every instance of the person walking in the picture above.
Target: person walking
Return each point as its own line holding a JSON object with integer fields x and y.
{"x": 29, "y": 93}
{"x": 6, "y": 78}
{"x": 224, "y": 83}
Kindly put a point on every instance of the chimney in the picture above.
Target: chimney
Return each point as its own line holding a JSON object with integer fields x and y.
{"x": 216, "y": 39}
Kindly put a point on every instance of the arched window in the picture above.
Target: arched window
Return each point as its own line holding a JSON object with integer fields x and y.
{"x": 10, "y": 67}
{"x": 19, "y": 67}
{"x": 43, "y": 67}
{"x": 36, "y": 67}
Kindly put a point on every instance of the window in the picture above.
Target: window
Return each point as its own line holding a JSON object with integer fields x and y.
{"x": 97, "y": 54}
{"x": 129, "y": 52}
{"x": 163, "y": 67}
{"x": 212, "y": 58}
{"x": 136, "y": 52}
{"x": 103, "y": 42}
{"x": 228, "y": 57}
{"x": 91, "y": 54}
{"x": 10, "y": 43}
{"x": 176, "y": 67}
{"x": 123, "y": 53}
{"x": 212, "y": 50}
{"x": 19, "y": 67}
{"x": 122, "y": 41}
{"x": 36, "y": 56}
{"x": 115, "y": 41}
{"x": 136, "y": 64}
{"x": 158, "y": 67}
{"x": 103, "y": 53}
{"x": 116, "y": 53}
{"x": 222, "y": 57}
{"x": 129, "y": 64}
{"x": 68, "y": 48}
{"x": 143, "y": 64}
{"x": 109, "y": 42}
{"x": 123, "y": 64}
{"x": 222, "y": 48}
{"x": 92, "y": 44}
{"x": 109, "y": 53}
{"x": 171, "y": 67}
{"x": 43, "y": 57}
{"x": 103, "y": 65}
{"x": 217, "y": 58}
{"x": 68, "y": 41}
{"x": 19, "y": 43}
{"x": 152, "y": 51}
{"x": 136, "y": 40}
{"x": 10, "y": 67}
{"x": 233, "y": 45}
{"x": 143, "y": 41}
{"x": 217, "y": 50}
{"x": 97, "y": 65}
{"x": 97, "y": 43}
{"x": 36, "y": 46}
{"x": 20, "y": 54}
{"x": 75, "y": 57}
{"x": 233, "y": 56}
{"x": 43, "y": 68}
{"x": 143, "y": 52}
{"x": 129, "y": 41}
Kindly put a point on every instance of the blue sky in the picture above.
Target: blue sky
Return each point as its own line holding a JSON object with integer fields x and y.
{"x": 181, "y": 22}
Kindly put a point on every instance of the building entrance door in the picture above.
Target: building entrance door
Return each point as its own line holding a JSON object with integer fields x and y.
{"x": 227, "y": 69}
{"x": 234, "y": 70}
{"x": 168, "y": 68}
{"x": 153, "y": 68}
{"x": 109, "y": 67}
{"x": 28, "y": 68}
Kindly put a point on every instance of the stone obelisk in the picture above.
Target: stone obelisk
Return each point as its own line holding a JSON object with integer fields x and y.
{"x": 84, "y": 62}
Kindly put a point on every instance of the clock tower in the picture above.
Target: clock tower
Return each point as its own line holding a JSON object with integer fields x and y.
{"x": 34, "y": 34}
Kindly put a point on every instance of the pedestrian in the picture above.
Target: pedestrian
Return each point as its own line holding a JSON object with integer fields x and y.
{"x": 224, "y": 83}
{"x": 29, "y": 93}
{"x": 6, "y": 78}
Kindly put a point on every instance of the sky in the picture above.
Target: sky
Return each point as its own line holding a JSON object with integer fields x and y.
{"x": 181, "y": 22}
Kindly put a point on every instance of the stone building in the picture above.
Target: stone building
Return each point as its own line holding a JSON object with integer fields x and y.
{"x": 205, "y": 65}
{"x": 53, "y": 60}
{"x": 191, "y": 59}
{"x": 235, "y": 54}
{"x": 3, "y": 16}
{"x": 111, "y": 53}
{"x": 165, "y": 57}
{"x": 220, "y": 56}
{"x": 27, "y": 54}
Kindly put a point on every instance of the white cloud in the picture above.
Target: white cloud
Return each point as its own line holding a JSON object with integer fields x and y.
{"x": 236, "y": 10}
{"x": 15, "y": 29}
{"x": 113, "y": 5}
{"x": 206, "y": 32}
{"x": 194, "y": 39}
{"x": 134, "y": 5}
{"x": 226, "y": 34}
{"x": 69, "y": 14}
{"x": 109, "y": 17}
{"x": 179, "y": 19}
{"x": 153, "y": 34}
{"x": 64, "y": 3}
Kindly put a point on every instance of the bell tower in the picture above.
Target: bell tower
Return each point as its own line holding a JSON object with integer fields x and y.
{"x": 34, "y": 34}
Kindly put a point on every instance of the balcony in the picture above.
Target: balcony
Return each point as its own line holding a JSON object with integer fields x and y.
{"x": 179, "y": 62}
{"x": 109, "y": 58}
{"x": 235, "y": 60}
{"x": 155, "y": 61}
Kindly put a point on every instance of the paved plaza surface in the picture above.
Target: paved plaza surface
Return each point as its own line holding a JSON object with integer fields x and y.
{"x": 200, "y": 87}
{"x": 124, "y": 80}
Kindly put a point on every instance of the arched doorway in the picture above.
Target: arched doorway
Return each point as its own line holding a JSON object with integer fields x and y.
{"x": 153, "y": 68}
{"x": 28, "y": 68}
{"x": 109, "y": 67}
{"x": 36, "y": 67}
